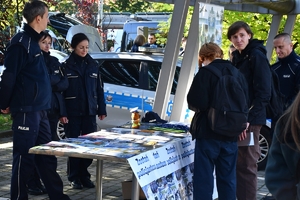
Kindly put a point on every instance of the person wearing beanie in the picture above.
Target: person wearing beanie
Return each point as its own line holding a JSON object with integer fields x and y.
{"x": 84, "y": 99}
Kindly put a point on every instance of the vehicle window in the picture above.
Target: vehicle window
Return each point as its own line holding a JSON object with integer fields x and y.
{"x": 127, "y": 73}
{"x": 154, "y": 70}
{"x": 62, "y": 23}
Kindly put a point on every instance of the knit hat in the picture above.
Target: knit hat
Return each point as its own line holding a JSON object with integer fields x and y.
{"x": 77, "y": 38}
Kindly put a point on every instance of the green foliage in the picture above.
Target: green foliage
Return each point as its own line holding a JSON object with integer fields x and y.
{"x": 164, "y": 27}
{"x": 65, "y": 6}
{"x": 131, "y": 6}
{"x": 5, "y": 122}
{"x": 11, "y": 17}
{"x": 162, "y": 7}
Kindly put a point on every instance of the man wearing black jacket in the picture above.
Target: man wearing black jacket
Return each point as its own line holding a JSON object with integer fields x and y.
{"x": 250, "y": 58}
{"x": 287, "y": 68}
{"x": 25, "y": 91}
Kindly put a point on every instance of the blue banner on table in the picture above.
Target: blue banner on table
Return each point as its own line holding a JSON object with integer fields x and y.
{"x": 166, "y": 172}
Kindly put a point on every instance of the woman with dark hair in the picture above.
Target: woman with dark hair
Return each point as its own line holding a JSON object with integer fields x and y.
{"x": 212, "y": 150}
{"x": 250, "y": 58}
{"x": 282, "y": 172}
{"x": 84, "y": 99}
{"x": 140, "y": 40}
{"x": 59, "y": 83}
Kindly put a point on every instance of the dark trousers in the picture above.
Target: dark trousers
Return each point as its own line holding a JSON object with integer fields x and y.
{"x": 53, "y": 120}
{"x": 79, "y": 126}
{"x": 34, "y": 180}
{"x": 32, "y": 129}
{"x": 219, "y": 155}
{"x": 246, "y": 168}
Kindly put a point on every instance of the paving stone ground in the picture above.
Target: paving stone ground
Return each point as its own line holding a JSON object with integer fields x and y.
{"x": 113, "y": 174}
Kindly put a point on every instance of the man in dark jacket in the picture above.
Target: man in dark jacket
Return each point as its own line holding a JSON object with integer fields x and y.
{"x": 25, "y": 91}
{"x": 287, "y": 68}
{"x": 250, "y": 58}
{"x": 151, "y": 40}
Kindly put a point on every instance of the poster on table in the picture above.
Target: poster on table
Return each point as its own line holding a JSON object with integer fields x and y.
{"x": 166, "y": 172}
{"x": 210, "y": 23}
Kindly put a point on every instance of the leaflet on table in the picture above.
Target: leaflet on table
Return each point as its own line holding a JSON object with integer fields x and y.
{"x": 117, "y": 152}
{"x": 101, "y": 134}
{"x": 107, "y": 143}
{"x": 127, "y": 136}
{"x": 147, "y": 132}
{"x": 63, "y": 146}
{"x": 166, "y": 171}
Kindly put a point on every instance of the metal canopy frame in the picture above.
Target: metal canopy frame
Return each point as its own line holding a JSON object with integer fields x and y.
{"x": 278, "y": 8}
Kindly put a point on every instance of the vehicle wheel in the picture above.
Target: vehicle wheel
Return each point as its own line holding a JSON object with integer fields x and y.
{"x": 264, "y": 144}
{"x": 60, "y": 131}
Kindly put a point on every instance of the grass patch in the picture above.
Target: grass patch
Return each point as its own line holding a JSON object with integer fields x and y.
{"x": 5, "y": 122}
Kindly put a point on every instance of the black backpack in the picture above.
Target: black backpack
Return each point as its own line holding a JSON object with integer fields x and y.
{"x": 228, "y": 112}
{"x": 274, "y": 109}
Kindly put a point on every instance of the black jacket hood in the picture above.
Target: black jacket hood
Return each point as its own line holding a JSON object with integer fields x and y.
{"x": 253, "y": 44}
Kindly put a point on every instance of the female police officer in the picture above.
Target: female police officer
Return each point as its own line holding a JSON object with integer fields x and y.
{"x": 84, "y": 99}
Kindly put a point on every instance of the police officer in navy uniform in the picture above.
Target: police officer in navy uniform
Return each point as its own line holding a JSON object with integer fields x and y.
{"x": 25, "y": 92}
{"x": 59, "y": 83}
{"x": 287, "y": 68}
{"x": 84, "y": 100}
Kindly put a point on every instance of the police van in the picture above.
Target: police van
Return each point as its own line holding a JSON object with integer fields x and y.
{"x": 130, "y": 80}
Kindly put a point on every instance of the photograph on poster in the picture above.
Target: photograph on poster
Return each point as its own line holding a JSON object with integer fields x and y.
{"x": 210, "y": 23}
{"x": 177, "y": 185}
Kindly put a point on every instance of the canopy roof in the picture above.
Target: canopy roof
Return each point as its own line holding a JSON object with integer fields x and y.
{"x": 257, "y": 6}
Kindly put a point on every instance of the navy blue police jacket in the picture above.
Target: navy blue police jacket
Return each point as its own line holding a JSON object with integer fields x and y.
{"x": 288, "y": 72}
{"x": 253, "y": 63}
{"x": 25, "y": 84}
{"x": 85, "y": 94}
{"x": 59, "y": 83}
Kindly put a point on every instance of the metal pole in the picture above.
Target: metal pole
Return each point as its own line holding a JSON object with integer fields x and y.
{"x": 100, "y": 13}
{"x": 135, "y": 192}
{"x": 99, "y": 173}
{"x": 168, "y": 67}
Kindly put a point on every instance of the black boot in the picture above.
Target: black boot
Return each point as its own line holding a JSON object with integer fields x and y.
{"x": 41, "y": 187}
{"x": 35, "y": 191}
